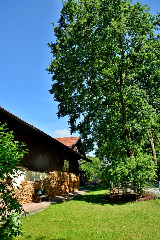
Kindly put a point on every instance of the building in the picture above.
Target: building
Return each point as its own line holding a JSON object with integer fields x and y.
{"x": 46, "y": 154}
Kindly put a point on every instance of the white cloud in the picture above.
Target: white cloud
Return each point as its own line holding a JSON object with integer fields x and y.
{"x": 62, "y": 133}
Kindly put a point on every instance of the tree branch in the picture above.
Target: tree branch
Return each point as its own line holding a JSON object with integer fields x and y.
{"x": 150, "y": 138}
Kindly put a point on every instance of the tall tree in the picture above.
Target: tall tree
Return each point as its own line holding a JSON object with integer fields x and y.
{"x": 106, "y": 74}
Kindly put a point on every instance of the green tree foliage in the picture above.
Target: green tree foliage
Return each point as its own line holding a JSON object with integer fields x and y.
{"x": 106, "y": 76}
{"x": 131, "y": 172}
{"x": 92, "y": 169}
{"x": 11, "y": 153}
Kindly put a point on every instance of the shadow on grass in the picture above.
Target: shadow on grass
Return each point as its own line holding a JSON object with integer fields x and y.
{"x": 94, "y": 195}
{"x": 44, "y": 238}
{"x": 96, "y": 198}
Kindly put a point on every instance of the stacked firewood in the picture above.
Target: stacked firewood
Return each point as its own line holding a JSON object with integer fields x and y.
{"x": 58, "y": 183}
{"x": 55, "y": 184}
{"x": 73, "y": 182}
{"x": 25, "y": 192}
{"x": 38, "y": 185}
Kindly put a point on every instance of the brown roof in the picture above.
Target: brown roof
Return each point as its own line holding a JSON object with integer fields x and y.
{"x": 68, "y": 141}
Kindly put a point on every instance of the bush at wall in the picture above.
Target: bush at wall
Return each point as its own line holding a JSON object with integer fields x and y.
{"x": 11, "y": 153}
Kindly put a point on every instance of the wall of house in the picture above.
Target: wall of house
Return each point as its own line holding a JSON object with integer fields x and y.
{"x": 45, "y": 153}
{"x": 47, "y": 156}
{"x": 28, "y": 176}
{"x": 33, "y": 176}
{"x": 18, "y": 179}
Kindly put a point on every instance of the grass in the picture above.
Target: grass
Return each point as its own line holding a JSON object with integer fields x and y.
{"x": 89, "y": 217}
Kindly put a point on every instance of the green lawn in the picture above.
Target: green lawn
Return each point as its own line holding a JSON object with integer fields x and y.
{"x": 89, "y": 217}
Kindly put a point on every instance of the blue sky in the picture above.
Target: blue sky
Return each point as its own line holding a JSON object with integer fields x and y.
{"x": 25, "y": 30}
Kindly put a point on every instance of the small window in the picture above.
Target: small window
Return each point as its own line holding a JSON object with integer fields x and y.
{"x": 66, "y": 166}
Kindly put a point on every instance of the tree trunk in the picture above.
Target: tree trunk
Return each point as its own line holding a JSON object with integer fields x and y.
{"x": 155, "y": 134}
{"x": 150, "y": 138}
{"x": 128, "y": 136}
{"x": 127, "y": 130}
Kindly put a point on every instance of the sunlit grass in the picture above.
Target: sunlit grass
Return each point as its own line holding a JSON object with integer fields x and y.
{"x": 89, "y": 217}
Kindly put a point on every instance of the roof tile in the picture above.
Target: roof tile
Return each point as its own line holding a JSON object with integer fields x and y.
{"x": 68, "y": 141}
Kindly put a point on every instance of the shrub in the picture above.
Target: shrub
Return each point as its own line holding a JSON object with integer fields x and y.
{"x": 11, "y": 153}
{"x": 136, "y": 171}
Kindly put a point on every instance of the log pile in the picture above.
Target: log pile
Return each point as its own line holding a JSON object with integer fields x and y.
{"x": 25, "y": 192}
{"x": 55, "y": 184}
{"x": 38, "y": 185}
{"x": 73, "y": 182}
{"x": 58, "y": 183}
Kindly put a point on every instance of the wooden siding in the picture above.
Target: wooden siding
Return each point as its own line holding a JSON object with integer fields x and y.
{"x": 45, "y": 153}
